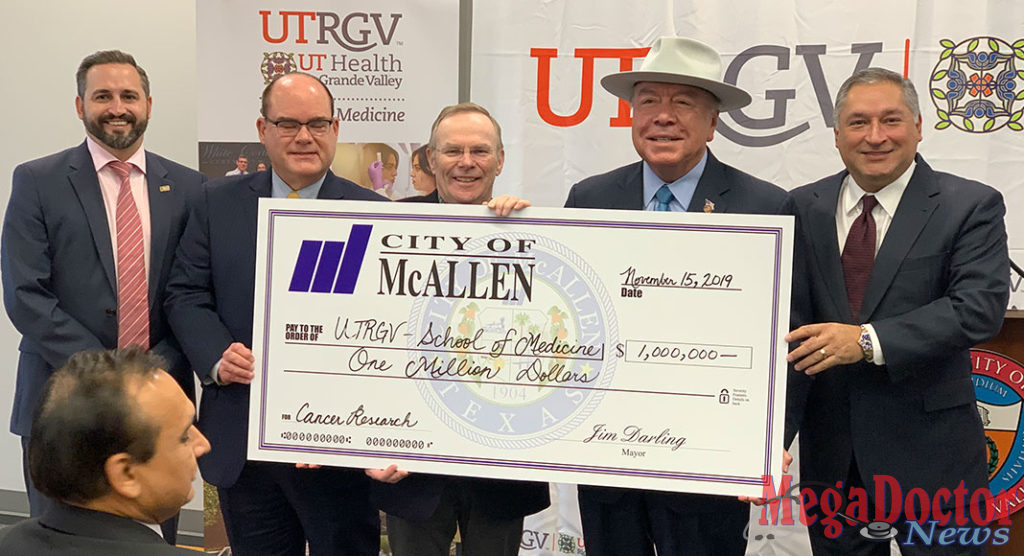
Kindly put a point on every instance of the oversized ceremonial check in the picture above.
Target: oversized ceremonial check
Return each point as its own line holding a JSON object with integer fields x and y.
{"x": 621, "y": 348}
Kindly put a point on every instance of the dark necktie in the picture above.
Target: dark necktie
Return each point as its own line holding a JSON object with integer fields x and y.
{"x": 859, "y": 255}
{"x": 664, "y": 195}
{"x": 132, "y": 289}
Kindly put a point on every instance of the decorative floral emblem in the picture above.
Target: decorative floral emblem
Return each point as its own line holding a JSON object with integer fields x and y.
{"x": 566, "y": 544}
{"x": 276, "y": 63}
{"x": 976, "y": 83}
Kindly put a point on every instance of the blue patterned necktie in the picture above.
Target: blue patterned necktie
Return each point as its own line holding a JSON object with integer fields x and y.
{"x": 664, "y": 196}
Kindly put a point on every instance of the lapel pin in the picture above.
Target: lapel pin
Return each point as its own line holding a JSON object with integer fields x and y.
{"x": 709, "y": 207}
{"x": 165, "y": 188}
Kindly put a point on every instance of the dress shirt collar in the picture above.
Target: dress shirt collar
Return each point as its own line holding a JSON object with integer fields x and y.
{"x": 101, "y": 157}
{"x": 682, "y": 189}
{"x": 280, "y": 190}
{"x": 888, "y": 197}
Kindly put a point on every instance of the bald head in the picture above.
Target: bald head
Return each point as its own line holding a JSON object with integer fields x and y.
{"x": 289, "y": 80}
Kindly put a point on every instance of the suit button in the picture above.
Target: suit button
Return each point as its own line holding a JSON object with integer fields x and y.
{"x": 111, "y": 312}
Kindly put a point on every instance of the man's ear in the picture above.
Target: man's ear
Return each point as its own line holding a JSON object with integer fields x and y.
{"x": 261, "y": 128}
{"x": 120, "y": 471}
{"x": 501, "y": 161}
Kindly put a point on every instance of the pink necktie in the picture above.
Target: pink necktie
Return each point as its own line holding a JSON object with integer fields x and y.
{"x": 859, "y": 255}
{"x": 132, "y": 289}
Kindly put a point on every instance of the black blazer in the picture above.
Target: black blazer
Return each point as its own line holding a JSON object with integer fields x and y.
{"x": 71, "y": 531}
{"x": 431, "y": 197}
{"x": 939, "y": 286}
{"x": 210, "y": 303}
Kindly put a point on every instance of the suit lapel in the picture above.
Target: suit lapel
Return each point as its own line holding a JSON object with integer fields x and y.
{"x": 331, "y": 189}
{"x": 631, "y": 189}
{"x": 82, "y": 176}
{"x": 260, "y": 186}
{"x": 821, "y": 222}
{"x": 712, "y": 187}
{"x": 916, "y": 206}
{"x": 162, "y": 198}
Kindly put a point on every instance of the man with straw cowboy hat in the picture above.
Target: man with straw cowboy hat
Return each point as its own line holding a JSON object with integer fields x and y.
{"x": 676, "y": 97}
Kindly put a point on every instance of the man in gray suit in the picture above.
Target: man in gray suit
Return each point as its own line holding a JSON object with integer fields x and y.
{"x": 114, "y": 447}
{"x": 89, "y": 237}
{"x": 676, "y": 97}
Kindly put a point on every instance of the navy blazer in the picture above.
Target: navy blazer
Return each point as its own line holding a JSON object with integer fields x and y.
{"x": 731, "y": 191}
{"x": 71, "y": 531}
{"x": 210, "y": 303}
{"x": 57, "y": 263}
{"x": 416, "y": 497}
{"x": 939, "y": 286}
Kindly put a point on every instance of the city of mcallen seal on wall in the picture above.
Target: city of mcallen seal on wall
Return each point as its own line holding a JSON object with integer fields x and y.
{"x": 552, "y": 363}
{"x": 999, "y": 387}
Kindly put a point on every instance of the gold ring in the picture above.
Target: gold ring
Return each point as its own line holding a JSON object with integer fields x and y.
{"x": 824, "y": 354}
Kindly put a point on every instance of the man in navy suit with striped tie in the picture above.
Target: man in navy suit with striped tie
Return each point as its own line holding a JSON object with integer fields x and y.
{"x": 88, "y": 240}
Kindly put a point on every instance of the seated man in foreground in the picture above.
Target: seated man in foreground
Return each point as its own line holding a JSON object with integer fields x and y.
{"x": 113, "y": 443}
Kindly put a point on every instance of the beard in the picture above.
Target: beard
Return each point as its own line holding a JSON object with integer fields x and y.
{"x": 117, "y": 141}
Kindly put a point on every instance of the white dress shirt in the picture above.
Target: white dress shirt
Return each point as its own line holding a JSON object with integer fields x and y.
{"x": 849, "y": 208}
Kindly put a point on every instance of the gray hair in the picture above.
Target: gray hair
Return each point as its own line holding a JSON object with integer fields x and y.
{"x": 869, "y": 76}
{"x": 449, "y": 111}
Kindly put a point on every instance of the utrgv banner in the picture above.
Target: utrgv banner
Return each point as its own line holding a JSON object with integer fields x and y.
{"x": 391, "y": 67}
{"x": 537, "y": 65}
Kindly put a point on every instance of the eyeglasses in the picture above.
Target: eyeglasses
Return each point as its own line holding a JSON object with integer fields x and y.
{"x": 288, "y": 127}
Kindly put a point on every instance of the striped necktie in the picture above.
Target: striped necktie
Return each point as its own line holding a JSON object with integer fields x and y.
{"x": 132, "y": 286}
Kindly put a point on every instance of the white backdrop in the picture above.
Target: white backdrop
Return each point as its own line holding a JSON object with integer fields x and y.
{"x": 791, "y": 55}
{"x": 45, "y": 42}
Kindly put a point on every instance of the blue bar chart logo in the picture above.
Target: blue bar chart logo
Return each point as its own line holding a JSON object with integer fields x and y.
{"x": 330, "y": 266}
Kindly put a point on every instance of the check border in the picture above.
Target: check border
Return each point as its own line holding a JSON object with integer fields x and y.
{"x": 264, "y": 444}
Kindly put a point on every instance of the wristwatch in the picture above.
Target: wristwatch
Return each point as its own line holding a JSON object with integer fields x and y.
{"x": 865, "y": 344}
